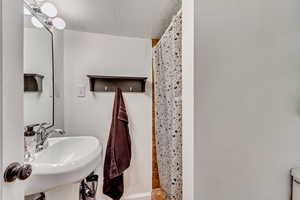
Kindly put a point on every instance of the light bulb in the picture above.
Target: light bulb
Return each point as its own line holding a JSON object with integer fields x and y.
{"x": 36, "y": 22}
{"x": 49, "y": 9}
{"x": 59, "y": 23}
{"x": 26, "y": 11}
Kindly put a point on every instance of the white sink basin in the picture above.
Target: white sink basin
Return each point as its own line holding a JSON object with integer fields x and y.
{"x": 67, "y": 160}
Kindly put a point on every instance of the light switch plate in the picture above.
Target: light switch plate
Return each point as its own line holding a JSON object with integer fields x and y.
{"x": 80, "y": 91}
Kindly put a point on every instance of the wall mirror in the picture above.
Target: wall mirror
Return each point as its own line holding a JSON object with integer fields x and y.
{"x": 38, "y": 73}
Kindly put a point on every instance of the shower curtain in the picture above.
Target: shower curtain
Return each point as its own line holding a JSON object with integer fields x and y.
{"x": 167, "y": 64}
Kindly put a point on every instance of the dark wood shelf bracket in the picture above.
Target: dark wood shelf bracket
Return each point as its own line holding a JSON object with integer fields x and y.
{"x": 110, "y": 83}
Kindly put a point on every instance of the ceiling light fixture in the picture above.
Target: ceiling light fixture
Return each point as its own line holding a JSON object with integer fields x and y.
{"x": 59, "y": 23}
{"x": 49, "y": 9}
{"x": 36, "y": 22}
{"x": 44, "y": 14}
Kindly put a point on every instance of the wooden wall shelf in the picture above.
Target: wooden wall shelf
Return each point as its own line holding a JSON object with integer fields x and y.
{"x": 110, "y": 83}
{"x": 33, "y": 83}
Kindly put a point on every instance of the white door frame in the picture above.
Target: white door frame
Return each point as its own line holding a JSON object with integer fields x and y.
{"x": 188, "y": 99}
{"x": 11, "y": 93}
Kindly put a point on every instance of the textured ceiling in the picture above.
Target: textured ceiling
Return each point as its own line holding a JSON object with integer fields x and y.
{"x": 133, "y": 18}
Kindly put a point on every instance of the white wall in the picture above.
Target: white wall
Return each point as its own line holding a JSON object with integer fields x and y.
{"x": 12, "y": 142}
{"x": 247, "y": 99}
{"x": 99, "y": 54}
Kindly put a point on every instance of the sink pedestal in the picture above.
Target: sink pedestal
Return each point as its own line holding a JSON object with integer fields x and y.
{"x": 66, "y": 192}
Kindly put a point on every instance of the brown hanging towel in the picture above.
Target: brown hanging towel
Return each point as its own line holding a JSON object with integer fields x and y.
{"x": 118, "y": 150}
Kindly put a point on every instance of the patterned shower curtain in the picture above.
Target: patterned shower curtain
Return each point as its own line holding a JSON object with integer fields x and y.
{"x": 167, "y": 63}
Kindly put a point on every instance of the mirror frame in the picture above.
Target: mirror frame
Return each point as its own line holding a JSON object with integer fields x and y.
{"x": 45, "y": 26}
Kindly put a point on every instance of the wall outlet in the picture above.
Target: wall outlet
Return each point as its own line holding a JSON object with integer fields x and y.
{"x": 80, "y": 91}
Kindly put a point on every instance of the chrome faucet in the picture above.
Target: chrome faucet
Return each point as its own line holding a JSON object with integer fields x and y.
{"x": 43, "y": 133}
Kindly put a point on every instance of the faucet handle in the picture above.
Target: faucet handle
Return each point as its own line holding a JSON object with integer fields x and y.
{"x": 42, "y": 126}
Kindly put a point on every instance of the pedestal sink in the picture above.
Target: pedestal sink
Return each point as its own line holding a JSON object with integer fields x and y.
{"x": 58, "y": 169}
